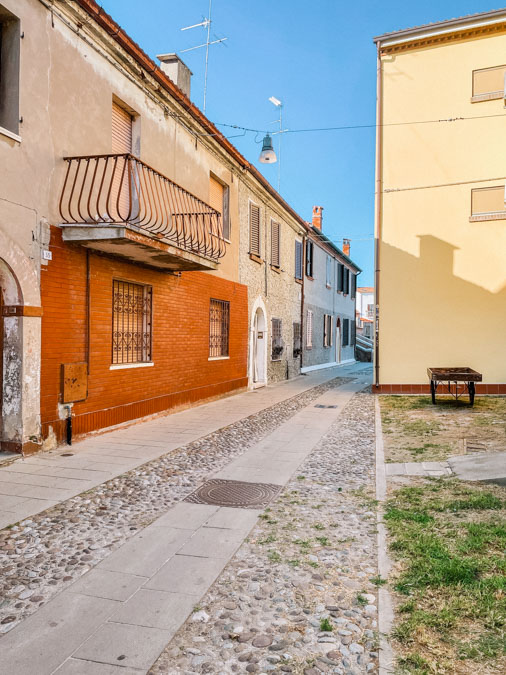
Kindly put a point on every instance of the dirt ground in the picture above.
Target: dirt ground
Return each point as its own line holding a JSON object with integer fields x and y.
{"x": 415, "y": 430}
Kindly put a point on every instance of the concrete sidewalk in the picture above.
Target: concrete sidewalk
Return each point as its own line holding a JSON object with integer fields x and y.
{"x": 119, "y": 616}
{"x": 33, "y": 484}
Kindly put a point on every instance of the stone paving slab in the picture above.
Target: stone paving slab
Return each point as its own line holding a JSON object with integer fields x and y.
{"x": 483, "y": 466}
{"x": 107, "y": 584}
{"x": 133, "y": 443}
{"x": 79, "y": 667}
{"x": 418, "y": 469}
{"x": 188, "y": 574}
{"x": 155, "y": 609}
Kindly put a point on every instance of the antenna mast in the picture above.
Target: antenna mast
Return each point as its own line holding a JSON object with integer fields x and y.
{"x": 206, "y": 23}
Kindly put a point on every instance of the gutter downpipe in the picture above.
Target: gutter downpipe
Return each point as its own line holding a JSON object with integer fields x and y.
{"x": 379, "y": 187}
{"x": 305, "y": 238}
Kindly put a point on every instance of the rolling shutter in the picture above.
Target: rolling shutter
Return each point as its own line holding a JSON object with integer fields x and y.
{"x": 489, "y": 81}
{"x": 488, "y": 200}
{"x": 254, "y": 229}
{"x": 216, "y": 195}
{"x": 121, "y": 144}
{"x": 275, "y": 244}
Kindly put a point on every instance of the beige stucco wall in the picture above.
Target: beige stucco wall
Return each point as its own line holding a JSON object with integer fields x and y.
{"x": 442, "y": 294}
{"x": 277, "y": 291}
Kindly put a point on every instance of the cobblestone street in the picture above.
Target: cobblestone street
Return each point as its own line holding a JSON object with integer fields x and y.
{"x": 306, "y": 565}
{"x": 295, "y": 597}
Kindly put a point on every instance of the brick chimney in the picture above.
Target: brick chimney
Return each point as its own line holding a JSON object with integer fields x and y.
{"x": 346, "y": 247}
{"x": 317, "y": 216}
{"x": 178, "y": 71}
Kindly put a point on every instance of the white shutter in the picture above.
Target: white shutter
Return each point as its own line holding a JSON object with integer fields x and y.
{"x": 309, "y": 328}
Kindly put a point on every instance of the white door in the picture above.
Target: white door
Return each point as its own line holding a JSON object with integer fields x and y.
{"x": 259, "y": 346}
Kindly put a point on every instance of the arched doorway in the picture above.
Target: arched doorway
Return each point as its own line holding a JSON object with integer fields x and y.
{"x": 258, "y": 348}
{"x": 338, "y": 340}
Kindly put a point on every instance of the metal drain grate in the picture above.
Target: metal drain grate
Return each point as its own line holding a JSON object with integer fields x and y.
{"x": 234, "y": 493}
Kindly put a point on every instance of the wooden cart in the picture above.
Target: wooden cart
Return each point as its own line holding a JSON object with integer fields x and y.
{"x": 450, "y": 378}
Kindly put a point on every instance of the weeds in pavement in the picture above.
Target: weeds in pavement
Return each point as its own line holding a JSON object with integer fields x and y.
{"x": 326, "y": 626}
{"x": 274, "y": 556}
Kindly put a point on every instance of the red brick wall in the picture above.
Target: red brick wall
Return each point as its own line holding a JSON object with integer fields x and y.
{"x": 182, "y": 373}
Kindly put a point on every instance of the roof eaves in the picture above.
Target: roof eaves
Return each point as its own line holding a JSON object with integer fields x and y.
{"x": 468, "y": 21}
{"x": 319, "y": 234}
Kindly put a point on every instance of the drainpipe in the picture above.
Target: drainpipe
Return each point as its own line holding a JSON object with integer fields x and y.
{"x": 88, "y": 311}
{"x": 379, "y": 188}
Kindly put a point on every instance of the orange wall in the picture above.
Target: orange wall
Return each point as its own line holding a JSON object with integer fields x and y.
{"x": 182, "y": 373}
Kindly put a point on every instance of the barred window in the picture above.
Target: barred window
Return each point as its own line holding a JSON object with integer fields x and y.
{"x": 219, "y": 325}
{"x": 297, "y": 340}
{"x": 131, "y": 322}
{"x": 277, "y": 342}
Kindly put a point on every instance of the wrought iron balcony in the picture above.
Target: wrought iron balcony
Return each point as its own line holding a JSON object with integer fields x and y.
{"x": 119, "y": 204}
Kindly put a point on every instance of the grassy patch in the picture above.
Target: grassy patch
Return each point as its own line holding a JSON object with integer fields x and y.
{"x": 449, "y": 539}
{"x": 326, "y": 625}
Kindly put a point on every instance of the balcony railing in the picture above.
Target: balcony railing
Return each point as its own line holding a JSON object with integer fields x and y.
{"x": 120, "y": 189}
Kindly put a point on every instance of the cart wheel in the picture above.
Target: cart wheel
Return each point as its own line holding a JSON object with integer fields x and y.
{"x": 433, "y": 391}
{"x": 470, "y": 386}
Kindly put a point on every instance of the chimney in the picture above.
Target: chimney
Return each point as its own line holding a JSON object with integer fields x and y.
{"x": 346, "y": 247}
{"x": 178, "y": 71}
{"x": 317, "y": 216}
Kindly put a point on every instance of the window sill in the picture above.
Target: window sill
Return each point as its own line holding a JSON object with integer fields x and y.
{"x": 218, "y": 358}
{"x": 491, "y": 96}
{"x": 276, "y": 269}
{"x": 328, "y": 286}
{"x": 276, "y": 360}
{"x": 124, "y": 366}
{"x": 256, "y": 258}
{"x": 298, "y": 281}
{"x": 10, "y": 134}
{"x": 500, "y": 215}
{"x": 309, "y": 278}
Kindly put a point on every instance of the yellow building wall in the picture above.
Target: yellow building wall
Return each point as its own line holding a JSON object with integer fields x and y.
{"x": 442, "y": 294}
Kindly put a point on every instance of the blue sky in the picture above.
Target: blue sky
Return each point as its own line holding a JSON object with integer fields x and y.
{"x": 319, "y": 59}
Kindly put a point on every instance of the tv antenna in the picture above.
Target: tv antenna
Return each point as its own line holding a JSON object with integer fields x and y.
{"x": 205, "y": 23}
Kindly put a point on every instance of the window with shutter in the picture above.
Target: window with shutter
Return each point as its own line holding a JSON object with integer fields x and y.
{"x": 488, "y": 203}
{"x": 328, "y": 280}
{"x": 254, "y": 229}
{"x": 353, "y": 333}
{"x": 275, "y": 243}
{"x": 277, "y": 342}
{"x": 325, "y": 325}
{"x": 309, "y": 329}
{"x": 327, "y": 330}
{"x": 218, "y": 199}
{"x": 297, "y": 340}
{"x": 340, "y": 277}
{"x": 353, "y": 285}
{"x": 346, "y": 332}
{"x": 488, "y": 83}
{"x": 121, "y": 145}
{"x": 309, "y": 258}
{"x": 298, "y": 260}
{"x": 346, "y": 281}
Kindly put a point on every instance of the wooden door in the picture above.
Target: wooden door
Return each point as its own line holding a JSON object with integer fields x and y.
{"x": 121, "y": 144}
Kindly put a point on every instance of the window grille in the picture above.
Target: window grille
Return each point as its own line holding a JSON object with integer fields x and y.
{"x": 254, "y": 229}
{"x": 309, "y": 329}
{"x": 277, "y": 342}
{"x": 275, "y": 241}
{"x": 131, "y": 323}
{"x": 298, "y": 260}
{"x": 309, "y": 258}
{"x": 219, "y": 325}
{"x": 297, "y": 340}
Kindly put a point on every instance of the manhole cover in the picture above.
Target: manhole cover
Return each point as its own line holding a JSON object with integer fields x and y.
{"x": 234, "y": 493}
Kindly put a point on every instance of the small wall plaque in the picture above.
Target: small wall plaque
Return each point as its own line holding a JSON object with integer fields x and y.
{"x": 74, "y": 382}
{"x": 260, "y": 336}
